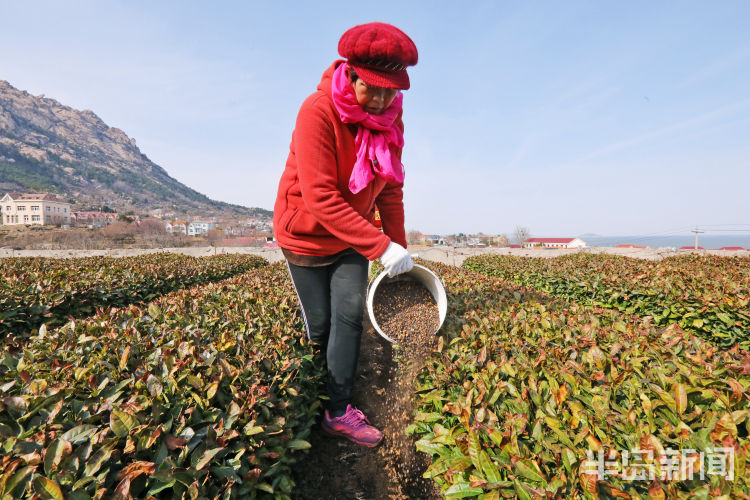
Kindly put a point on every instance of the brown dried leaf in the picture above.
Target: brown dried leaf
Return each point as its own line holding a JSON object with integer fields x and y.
{"x": 173, "y": 442}
{"x": 135, "y": 469}
{"x": 649, "y": 442}
{"x": 680, "y": 398}
{"x": 124, "y": 357}
{"x": 588, "y": 477}
{"x": 737, "y": 390}
{"x": 655, "y": 492}
{"x": 253, "y": 475}
{"x": 129, "y": 446}
{"x": 122, "y": 492}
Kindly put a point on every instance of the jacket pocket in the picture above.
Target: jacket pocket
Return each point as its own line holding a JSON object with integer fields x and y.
{"x": 290, "y": 216}
{"x": 302, "y": 223}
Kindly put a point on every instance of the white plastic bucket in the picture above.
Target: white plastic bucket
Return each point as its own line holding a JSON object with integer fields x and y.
{"x": 420, "y": 274}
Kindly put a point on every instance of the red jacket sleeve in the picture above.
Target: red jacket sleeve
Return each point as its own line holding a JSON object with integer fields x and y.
{"x": 391, "y": 207}
{"x": 314, "y": 142}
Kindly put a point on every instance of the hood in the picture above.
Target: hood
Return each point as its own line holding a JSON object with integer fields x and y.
{"x": 327, "y": 78}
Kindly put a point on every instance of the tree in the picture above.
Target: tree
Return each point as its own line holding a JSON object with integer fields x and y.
{"x": 520, "y": 235}
{"x": 413, "y": 237}
{"x": 500, "y": 240}
{"x": 152, "y": 227}
{"x": 215, "y": 236}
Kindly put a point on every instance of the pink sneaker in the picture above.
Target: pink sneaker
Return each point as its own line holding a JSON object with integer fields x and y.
{"x": 352, "y": 425}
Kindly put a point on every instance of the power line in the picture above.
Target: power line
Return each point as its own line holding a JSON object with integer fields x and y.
{"x": 710, "y": 225}
{"x": 647, "y": 239}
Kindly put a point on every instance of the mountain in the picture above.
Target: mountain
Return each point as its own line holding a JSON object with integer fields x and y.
{"x": 46, "y": 146}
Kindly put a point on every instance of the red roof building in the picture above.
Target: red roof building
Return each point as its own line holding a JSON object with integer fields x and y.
{"x": 732, "y": 248}
{"x": 554, "y": 243}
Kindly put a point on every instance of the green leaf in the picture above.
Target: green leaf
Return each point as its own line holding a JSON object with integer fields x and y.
{"x": 207, "y": 456}
{"x": 96, "y": 460}
{"x": 569, "y": 459}
{"x": 77, "y": 495}
{"x": 154, "y": 386}
{"x": 47, "y": 489}
{"x": 251, "y": 430}
{"x": 54, "y": 453}
{"x": 489, "y": 469}
{"x": 527, "y": 469}
{"x": 121, "y": 423}
{"x": 428, "y": 417}
{"x": 436, "y": 468}
{"x": 474, "y": 450}
{"x": 153, "y": 310}
{"x": 159, "y": 486}
{"x": 462, "y": 490}
{"x": 727, "y": 319}
{"x": 264, "y": 487}
{"x": 523, "y": 494}
{"x": 431, "y": 448}
{"x": 18, "y": 477}
{"x": 298, "y": 444}
{"x": 79, "y": 434}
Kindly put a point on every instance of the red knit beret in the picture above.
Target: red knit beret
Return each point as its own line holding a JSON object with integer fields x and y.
{"x": 379, "y": 53}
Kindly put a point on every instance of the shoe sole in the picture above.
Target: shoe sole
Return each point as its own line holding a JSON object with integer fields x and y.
{"x": 333, "y": 433}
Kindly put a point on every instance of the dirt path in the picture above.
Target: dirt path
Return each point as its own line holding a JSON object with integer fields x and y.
{"x": 339, "y": 470}
{"x": 446, "y": 255}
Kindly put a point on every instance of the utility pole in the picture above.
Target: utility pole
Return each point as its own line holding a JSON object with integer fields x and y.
{"x": 696, "y": 236}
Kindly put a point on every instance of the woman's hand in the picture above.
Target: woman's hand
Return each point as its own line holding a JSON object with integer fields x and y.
{"x": 396, "y": 260}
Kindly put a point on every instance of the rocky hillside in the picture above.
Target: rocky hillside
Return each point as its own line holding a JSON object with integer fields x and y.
{"x": 46, "y": 146}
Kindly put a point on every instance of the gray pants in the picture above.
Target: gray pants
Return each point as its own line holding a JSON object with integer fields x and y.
{"x": 332, "y": 299}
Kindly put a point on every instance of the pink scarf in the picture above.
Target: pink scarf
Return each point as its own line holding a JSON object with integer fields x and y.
{"x": 375, "y": 135}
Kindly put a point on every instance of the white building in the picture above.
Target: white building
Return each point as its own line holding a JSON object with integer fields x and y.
{"x": 199, "y": 227}
{"x": 554, "y": 243}
{"x": 94, "y": 220}
{"x": 34, "y": 209}
{"x": 178, "y": 226}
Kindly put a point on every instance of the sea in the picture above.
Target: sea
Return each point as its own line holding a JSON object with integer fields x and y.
{"x": 707, "y": 241}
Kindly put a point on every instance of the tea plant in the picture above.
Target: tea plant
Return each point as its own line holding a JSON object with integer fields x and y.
{"x": 527, "y": 391}
{"x": 42, "y": 290}
{"x": 707, "y": 295}
{"x": 206, "y": 392}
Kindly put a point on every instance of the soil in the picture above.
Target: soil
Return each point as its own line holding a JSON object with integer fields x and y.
{"x": 337, "y": 469}
{"x": 446, "y": 255}
{"x": 405, "y": 311}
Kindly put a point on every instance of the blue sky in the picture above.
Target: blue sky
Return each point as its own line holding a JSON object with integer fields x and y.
{"x": 564, "y": 117}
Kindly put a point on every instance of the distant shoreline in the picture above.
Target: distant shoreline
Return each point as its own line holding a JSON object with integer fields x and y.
{"x": 444, "y": 254}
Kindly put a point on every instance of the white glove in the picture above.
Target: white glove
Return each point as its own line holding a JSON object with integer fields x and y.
{"x": 396, "y": 260}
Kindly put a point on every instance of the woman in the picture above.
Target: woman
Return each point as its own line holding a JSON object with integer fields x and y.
{"x": 344, "y": 159}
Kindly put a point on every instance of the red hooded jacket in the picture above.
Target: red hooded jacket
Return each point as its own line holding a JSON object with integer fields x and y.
{"x": 315, "y": 212}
